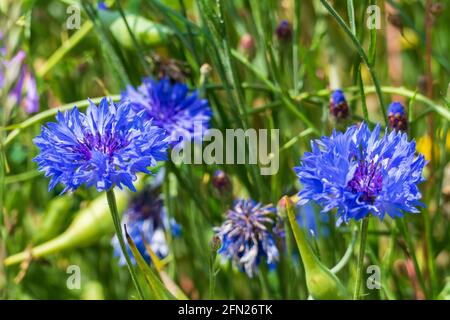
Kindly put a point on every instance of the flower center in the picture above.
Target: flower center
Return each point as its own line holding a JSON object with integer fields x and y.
{"x": 106, "y": 144}
{"x": 367, "y": 181}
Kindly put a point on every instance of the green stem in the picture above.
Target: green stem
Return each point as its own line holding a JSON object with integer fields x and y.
{"x": 351, "y": 16}
{"x": 412, "y": 253}
{"x": 59, "y": 54}
{"x": 362, "y": 251}
{"x": 361, "y": 52}
{"x": 116, "y": 220}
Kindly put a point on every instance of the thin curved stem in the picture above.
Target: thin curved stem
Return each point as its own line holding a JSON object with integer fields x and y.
{"x": 346, "y": 257}
{"x": 115, "y": 217}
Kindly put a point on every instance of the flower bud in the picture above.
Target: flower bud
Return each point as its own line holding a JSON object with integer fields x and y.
{"x": 338, "y": 105}
{"x": 284, "y": 31}
{"x": 247, "y": 45}
{"x": 397, "y": 117}
{"x": 215, "y": 243}
{"x": 205, "y": 69}
{"x": 221, "y": 182}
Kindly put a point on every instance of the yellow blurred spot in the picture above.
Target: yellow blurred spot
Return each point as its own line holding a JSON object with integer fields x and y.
{"x": 424, "y": 146}
{"x": 409, "y": 39}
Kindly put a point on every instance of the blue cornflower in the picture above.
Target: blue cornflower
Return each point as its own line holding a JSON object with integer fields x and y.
{"x": 397, "y": 116}
{"x": 338, "y": 105}
{"x": 105, "y": 147}
{"x": 247, "y": 236}
{"x": 358, "y": 173}
{"x": 172, "y": 107}
{"x": 146, "y": 221}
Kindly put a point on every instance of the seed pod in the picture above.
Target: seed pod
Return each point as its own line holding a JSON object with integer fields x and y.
{"x": 146, "y": 32}
{"x": 55, "y": 218}
{"x": 321, "y": 282}
{"x": 437, "y": 8}
{"x": 89, "y": 224}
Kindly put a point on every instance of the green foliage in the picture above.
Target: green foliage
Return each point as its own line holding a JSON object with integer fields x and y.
{"x": 275, "y": 85}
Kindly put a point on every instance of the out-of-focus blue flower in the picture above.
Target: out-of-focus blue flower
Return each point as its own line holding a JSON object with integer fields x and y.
{"x": 105, "y": 147}
{"x": 22, "y": 84}
{"x": 146, "y": 223}
{"x": 316, "y": 225}
{"x": 247, "y": 236}
{"x": 182, "y": 114}
{"x": 338, "y": 105}
{"x": 358, "y": 173}
{"x": 397, "y": 116}
{"x": 101, "y": 5}
{"x": 306, "y": 218}
{"x": 175, "y": 228}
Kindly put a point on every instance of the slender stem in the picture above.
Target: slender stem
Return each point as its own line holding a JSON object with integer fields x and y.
{"x": 68, "y": 45}
{"x": 116, "y": 220}
{"x": 361, "y": 52}
{"x": 411, "y": 251}
{"x": 296, "y": 46}
{"x": 346, "y": 257}
{"x": 351, "y": 16}
{"x": 362, "y": 251}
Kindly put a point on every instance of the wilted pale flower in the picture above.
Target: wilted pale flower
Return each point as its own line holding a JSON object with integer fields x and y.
{"x": 105, "y": 147}
{"x": 22, "y": 88}
{"x": 247, "y": 236}
{"x": 171, "y": 107}
{"x": 358, "y": 173}
{"x": 338, "y": 105}
{"x": 146, "y": 221}
{"x": 397, "y": 117}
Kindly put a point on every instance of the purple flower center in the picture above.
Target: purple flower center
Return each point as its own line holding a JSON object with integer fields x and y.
{"x": 367, "y": 181}
{"x": 106, "y": 144}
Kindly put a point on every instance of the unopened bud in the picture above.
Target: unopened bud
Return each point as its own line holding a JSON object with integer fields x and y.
{"x": 247, "y": 45}
{"x": 221, "y": 182}
{"x": 338, "y": 105}
{"x": 397, "y": 116}
{"x": 284, "y": 31}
